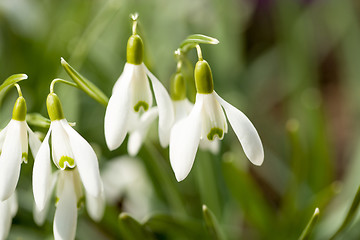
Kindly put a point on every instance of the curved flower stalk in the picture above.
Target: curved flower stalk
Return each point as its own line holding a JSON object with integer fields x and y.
{"x": 132, "y": 95}
{"x": 8, "y": 210}
{"x": 207, "y": 121}
{"x": 14, "y": 141}
{"x": 77, "y": 163}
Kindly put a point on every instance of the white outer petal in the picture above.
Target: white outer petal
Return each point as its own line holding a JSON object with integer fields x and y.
{"x": 34, "y": 142}
{"x": 95, "y": 206}
{"x": 245, "y": 131}
{"x": 136, "y": 138}
{"x": 60, "y": 144}
{"x": 117, "y": 110}
{"x": 65, "y": 219}
{"x": 2, "y": 136}
{"x": 13, "y": 204}
{"x": 42, "y": 174}
{"x": 5, "y": 218}
{"x": 166, "y": 111}
{"x": 39, "y": 215}
{"x": 10, "y": 160}
{"x": 184, "y": 141}
{"x": 86, "y": 161}
{"x": 182, "y": 109}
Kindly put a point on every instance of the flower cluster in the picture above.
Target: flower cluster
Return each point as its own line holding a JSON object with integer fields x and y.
{"x": 182, "y": 125}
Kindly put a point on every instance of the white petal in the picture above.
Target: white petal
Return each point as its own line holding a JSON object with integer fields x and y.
{"x": 13, "y": 204}
{"x": 140, "y": 87}
{"x": 184, "y": 141}
{"x": 95, "y": 206}
{"x": 65, "y": 219}
{"x": 5, "y": 218}
{"x": 86, "y": 161}
{"x": 182, "y": 108}
{"x": 137, "y": 137}
{"x": 41, "y": 214}
{"x": 166, "y": 111}
{"x": 42, "y": 174}
{"x": 245, "y": 131}
{"x": 24, "y": 141}
{"x": 212, "y": 146}
{"x": 34, "y": 142}
{"x": 117, "y": 110}
{"x": 10, "y": 160}
{"x": 2, "y": 136}
{"x": 62, "y": 154}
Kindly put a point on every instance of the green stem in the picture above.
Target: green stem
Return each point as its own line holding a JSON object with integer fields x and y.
{"x": 52, "y": 85}
{"x": 18, "y": 89}
{"x": 310, "y": 226}
{"x": 199, "y": 53}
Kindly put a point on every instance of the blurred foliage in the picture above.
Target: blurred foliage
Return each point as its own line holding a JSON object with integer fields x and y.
{"x": 291, "y": 66}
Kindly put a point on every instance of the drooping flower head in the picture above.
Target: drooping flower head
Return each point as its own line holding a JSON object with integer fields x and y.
{"x": 207, "y": 121}
{"x": 132, "y": 95}
{"x": 77, "y": 163}
{"x": 14, "y": 140}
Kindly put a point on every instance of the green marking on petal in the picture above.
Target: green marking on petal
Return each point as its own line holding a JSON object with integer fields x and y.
{"x": 56, "y": 200}
{"x": 80, "y": 202}
{"x": 67, "y": 159}
{"x": 24, "y": 157}
{"x": 142, "y": 104}
{"x": 215, "y": 131}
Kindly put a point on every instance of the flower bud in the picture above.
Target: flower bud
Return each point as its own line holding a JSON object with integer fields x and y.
{"x": 135, "y": 50}
{"x": 54, "y": 107}
{"x": 178, "y": 87}
{"x": 19, "y": 112}
{"x": 203, "y": 77}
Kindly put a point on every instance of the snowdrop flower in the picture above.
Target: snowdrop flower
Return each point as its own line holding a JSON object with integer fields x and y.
{"x": 183, "y": 107}
{"x": 77, "y": 163}
{"x": 207, "y": 121}
{"x": 132, "y": 95}
{"x": 14, "y": 140}
{"x": 125, "y": 179}
{"x": 8, "y": 209}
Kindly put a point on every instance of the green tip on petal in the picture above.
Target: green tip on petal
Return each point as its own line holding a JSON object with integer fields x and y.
{"x": 203, "y": 77}
{"x": 215, "y": 131}
{"x": 24, "y": 157}
{"x": 54, "y": 107}
{"x": 67, "y": 159}
{"x": 178, "y": 87}
{"x": 140, "y": 104}
{"x": 19, "y": 112}
{"x": 135, "y": 50}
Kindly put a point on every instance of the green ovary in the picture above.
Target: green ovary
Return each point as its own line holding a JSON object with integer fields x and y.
{"x": 67, "y": 159}
{"x": 142, "y": 104}
{"x": 215, "y": 131}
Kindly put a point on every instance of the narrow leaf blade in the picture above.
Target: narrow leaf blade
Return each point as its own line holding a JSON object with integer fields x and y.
{"x": 212, "y": 224}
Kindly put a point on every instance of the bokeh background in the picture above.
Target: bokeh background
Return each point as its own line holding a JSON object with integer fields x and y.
{"x": 293, "y": 67}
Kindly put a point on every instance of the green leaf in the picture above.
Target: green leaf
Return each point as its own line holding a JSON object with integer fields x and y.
{"x": 88, "y": 87}
{"x": 12, "y": 80}
{"x": 350, "y": 215}
{"x": 192, "y": 40}
{"x": 310, "y": 226}
{"x": 212, "y": 224}
{"x": 246, "y": 192}
{"x": 183, "y": 228}
{"x": 131, "y": 229}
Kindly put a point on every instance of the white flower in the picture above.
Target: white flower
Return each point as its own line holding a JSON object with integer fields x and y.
{"x": 125, "y": 179}
{"x": 182, "y": 109}
{"x": 14, "y": 149}
{"x": 8, "y": 209}
{"x": 207, "y": 121}
{"x": 131, "y": 93}
{"x": 76, "y": 159}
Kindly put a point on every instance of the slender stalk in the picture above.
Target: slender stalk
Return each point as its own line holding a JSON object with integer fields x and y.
{"x": 310, "y": 226}
{"x": 52, "y": 85}
{"x": 199, "y": 53}
{"x": 18, "y": 89}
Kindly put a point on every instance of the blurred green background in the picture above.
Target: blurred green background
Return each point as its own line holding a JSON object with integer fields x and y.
{"x": 293, "y": 67}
